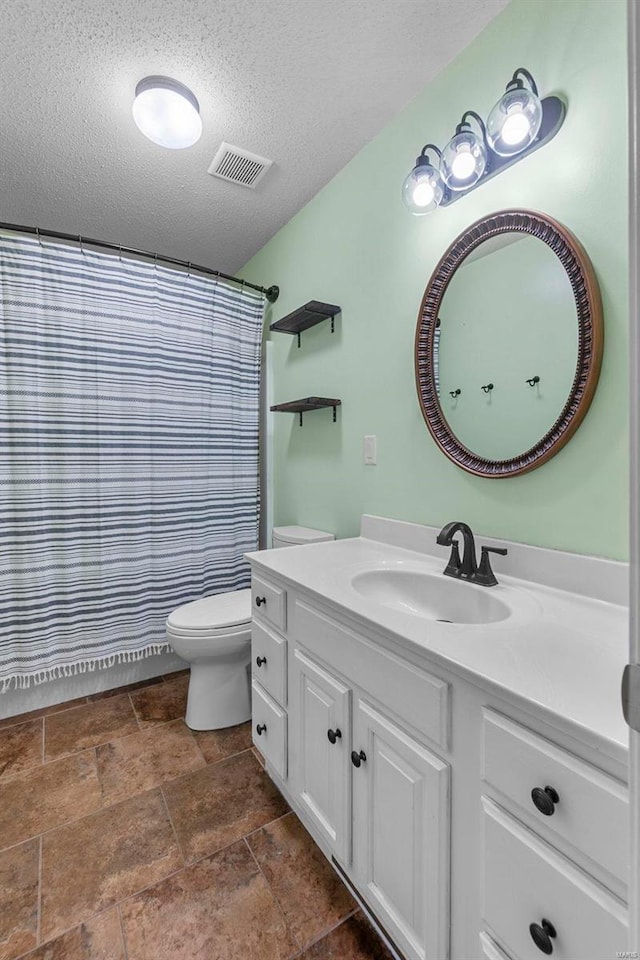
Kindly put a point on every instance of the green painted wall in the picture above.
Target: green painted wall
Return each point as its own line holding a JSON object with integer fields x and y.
{"x": 354, "y": 244}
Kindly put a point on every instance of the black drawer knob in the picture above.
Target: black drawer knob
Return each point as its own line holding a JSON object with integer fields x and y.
{"x": 260, "y": 729}
{"x": 260, "y": 601}
{"x": 545, "y": 800}
{"x": 542, "y": 934}
{"x": 260, "y": 661}
{"x": 334, "y": 735}
{"x": 358, "y": 758}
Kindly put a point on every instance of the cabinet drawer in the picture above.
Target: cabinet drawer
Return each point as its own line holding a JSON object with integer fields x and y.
{"x": 592, "y": 810}
{"x": 526, "y": 880}
{"x": 269, "y": 602}
{"x": 269, "y": 662}
{"x": 271, "y": 720}
{"x": 411, "y": 693}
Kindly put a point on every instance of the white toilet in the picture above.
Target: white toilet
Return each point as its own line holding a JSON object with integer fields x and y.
{"x": 213, "y": 634}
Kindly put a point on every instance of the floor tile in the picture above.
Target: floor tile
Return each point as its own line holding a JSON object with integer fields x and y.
{"x": 19, "y": 899}
{"x": 218, "y": 744}
{"x": 166, "y": 701}
{"x": 221, "y": 803}
{"x": 88, "y": 726}
{"x": 128, "y": 688}
{"x": 98, "y": 939}
{"x": 92, "y": 864}
{"x": 42, "y": 712}
{"x": 355, "y": 939}
{"x": 48, "y": 796}
{"x": 219, "y": 909}
{"x": 310, "y": 893}
{"x": 145, "y": 759}
{"x": 20, "y": 748}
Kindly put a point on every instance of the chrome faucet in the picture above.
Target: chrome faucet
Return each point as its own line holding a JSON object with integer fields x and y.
{"x": 467, "y": 568}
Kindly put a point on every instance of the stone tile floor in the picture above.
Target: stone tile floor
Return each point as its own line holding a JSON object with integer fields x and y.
{"x": 126, "y": 836}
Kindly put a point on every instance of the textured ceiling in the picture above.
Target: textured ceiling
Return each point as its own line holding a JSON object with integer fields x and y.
{"x": 304, "y": 82}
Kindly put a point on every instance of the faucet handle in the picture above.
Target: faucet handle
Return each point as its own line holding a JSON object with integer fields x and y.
{"x": 485, "y": 575}
{"x": 454, "y": 566}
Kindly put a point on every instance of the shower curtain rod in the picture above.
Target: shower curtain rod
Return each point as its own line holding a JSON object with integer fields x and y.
{"x": 271, "y": 293}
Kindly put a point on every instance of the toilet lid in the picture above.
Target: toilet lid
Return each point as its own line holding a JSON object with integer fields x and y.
{"x": 213, "y": 613}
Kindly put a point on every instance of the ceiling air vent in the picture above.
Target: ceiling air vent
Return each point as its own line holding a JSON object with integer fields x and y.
{"x": 239, "y": 166}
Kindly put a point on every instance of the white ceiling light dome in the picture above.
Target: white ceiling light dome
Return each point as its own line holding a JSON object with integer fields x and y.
{"x": 167, "y": 112}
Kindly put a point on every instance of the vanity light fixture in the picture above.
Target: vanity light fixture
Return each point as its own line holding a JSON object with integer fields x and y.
{"x": 519, "y": 123}
{"x": 167, "y": 112}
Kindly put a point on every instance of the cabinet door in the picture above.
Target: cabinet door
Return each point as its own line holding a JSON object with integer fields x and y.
{"x": 401, "y": 834}
{"x": 322, "y": 781}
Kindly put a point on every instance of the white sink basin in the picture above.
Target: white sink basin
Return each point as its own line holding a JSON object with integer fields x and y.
{"x": 432, "y": 596}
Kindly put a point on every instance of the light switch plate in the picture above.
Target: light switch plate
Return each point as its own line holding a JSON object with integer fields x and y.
{"x": 370, "y": 451}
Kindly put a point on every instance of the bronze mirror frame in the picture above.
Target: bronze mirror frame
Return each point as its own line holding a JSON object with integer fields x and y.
{"x": 588, "y": 304}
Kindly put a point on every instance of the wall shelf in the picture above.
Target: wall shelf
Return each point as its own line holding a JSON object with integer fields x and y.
{"x": 307, "y": 404}
{"x": 306, "y": 316}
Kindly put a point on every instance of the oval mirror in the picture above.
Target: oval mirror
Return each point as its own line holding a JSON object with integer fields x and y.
{"x": 508, "y": 343}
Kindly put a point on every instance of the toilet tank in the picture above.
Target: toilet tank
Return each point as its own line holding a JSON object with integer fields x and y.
{"x": 288, "y": 536}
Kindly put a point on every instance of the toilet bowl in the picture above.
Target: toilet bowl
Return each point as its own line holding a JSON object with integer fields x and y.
{"x": 213, "y": 635}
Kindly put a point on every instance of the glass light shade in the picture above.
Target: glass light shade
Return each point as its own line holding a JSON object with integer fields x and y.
{"x": 514, "y": 122}
{"x": 167, "y": 113}
{"x": 463, "y": 160}
{"x": 423, "y": 189}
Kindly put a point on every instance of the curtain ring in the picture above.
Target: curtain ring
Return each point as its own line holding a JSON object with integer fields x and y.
{"x": 38, "y": 236}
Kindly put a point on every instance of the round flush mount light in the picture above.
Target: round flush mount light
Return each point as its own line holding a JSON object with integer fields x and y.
{"x": 423, "y": 189}
{"x": 167, "y": 112}
{"x": 514, "y": 122}
{"x": 464, "y": 158}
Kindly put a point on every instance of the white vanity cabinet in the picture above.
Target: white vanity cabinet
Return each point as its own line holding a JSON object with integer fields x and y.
{"x": 415, "y": 777}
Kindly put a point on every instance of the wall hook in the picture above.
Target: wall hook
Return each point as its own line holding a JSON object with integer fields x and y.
{"x": 455, "y": 393}
{"x": 487, "y": 388}
{"x": 533, "y": 380}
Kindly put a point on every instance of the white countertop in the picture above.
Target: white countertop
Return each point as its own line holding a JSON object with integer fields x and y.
{"x": 559, "y": 650}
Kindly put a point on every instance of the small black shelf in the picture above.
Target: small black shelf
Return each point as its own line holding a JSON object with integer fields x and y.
{"x": 307, "y": 404}
{"x": 307, "y": 316}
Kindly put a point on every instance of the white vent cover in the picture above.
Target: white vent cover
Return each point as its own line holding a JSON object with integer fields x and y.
{"x": 239, "y": 166}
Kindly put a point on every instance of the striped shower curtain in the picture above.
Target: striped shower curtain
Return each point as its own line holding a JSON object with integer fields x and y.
{"x": 129, "y": 404}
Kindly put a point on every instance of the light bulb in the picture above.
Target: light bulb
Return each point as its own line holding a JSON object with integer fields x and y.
{"x": 463, "y": 165}
{"x": 423, "y": 193}
{"x": 167, "y": 113}
{"x": 515, "y": 128}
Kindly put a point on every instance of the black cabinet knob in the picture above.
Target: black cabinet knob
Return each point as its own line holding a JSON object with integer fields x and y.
{"x": 545, "y": 800}
{"x": 358, "y": 758}
{"x": 542, "y": 934}
{"x": 260, "y": 661}
{"x": 334, "y": 735}
{"x": 260, "y": 601}
{"x": 260, "y": 729}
